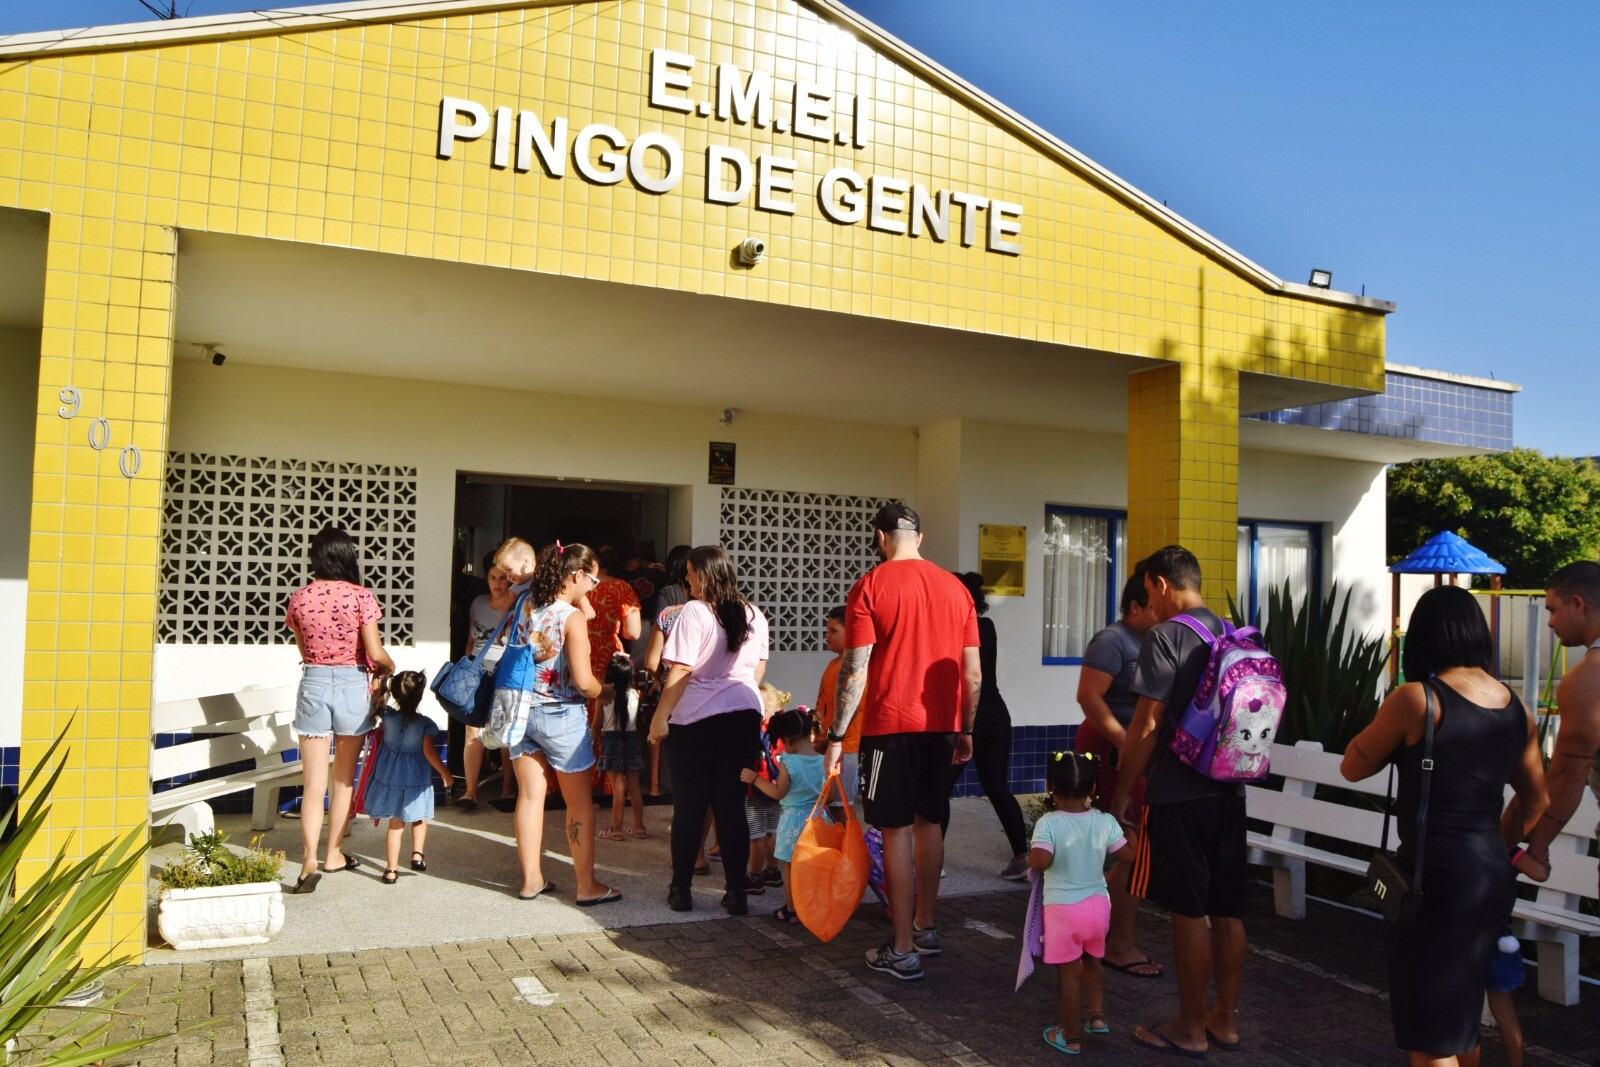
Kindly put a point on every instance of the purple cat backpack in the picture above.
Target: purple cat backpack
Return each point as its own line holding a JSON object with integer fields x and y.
{"x": 1226, "y": 731}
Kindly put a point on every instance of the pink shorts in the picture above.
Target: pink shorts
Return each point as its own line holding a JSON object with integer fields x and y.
{"x": 1070, "y": 930}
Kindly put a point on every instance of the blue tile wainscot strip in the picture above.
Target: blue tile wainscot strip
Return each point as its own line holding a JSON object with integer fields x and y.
{"x": 1031, "y": 747}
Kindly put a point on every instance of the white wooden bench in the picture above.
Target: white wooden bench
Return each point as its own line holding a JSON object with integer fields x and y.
{"x": 252, "y": 725}
{"x": 1551, "y": 920}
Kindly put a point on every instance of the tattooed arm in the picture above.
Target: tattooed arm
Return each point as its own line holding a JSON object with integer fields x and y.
{"x": 847, "y": 698}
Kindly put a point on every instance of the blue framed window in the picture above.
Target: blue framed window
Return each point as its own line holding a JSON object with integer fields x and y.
{"x": 1085, "y": 564}
{"x": 1272, "y": 553}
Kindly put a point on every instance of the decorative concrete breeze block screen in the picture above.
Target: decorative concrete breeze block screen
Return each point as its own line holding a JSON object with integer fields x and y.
{"x": 237, "y": 531}
{"x": 798, "y": 554}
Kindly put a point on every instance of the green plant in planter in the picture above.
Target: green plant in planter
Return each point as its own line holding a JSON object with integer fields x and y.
{"x": 43, "y": 927}
{"x": 207, "y": 862}
{"x": 1331, "y": 671}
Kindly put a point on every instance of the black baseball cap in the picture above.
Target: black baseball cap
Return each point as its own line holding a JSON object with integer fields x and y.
{"x": 895, "y": 517}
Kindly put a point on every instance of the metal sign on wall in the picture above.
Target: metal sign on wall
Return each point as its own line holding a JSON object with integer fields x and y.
{"x": 1003, "y": 559}
{"x": 720, "y": 468}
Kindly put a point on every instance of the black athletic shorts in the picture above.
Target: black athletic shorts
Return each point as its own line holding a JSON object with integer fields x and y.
{"x": 905, "y": 777}
{"x": 1192, "y": 857}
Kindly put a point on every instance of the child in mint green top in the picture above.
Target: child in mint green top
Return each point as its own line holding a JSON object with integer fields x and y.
{"x": 800, "y": 781}
{"x": 1070, "y": 847}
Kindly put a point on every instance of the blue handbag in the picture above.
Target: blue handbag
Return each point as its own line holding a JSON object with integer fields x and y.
{"x": 464, "y": 688}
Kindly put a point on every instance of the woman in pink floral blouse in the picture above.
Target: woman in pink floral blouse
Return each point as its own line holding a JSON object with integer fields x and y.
{"x": 335, "y": 624}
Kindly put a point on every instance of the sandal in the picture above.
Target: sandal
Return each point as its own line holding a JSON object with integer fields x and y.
{"x": 1088, "y": 1023}
{"x": 609, "y": 833}
{"x": 1128, "y": 968}
{"x": 786, "y": 914}
{"x": 611, "y": 896}
{"x": 1057, "y": 1039}
{"x": 419, "y": 862}
{"x": 638, "y": 833}
{"x": 390, "y": 876}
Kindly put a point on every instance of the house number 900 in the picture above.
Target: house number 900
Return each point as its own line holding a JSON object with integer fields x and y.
{"x": 99, "y": 432}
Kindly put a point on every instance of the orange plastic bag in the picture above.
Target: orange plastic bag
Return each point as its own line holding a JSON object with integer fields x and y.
{"x": 828, "y": 872}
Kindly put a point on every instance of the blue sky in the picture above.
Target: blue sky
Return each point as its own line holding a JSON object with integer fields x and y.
{"x": 1445, "y": 156}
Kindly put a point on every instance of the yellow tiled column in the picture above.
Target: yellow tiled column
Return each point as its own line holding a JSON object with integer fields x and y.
{"x": 1183, "y": 468}
{"x": 93, "y": 556}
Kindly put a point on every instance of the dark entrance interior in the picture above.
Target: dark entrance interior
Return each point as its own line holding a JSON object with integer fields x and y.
{"x": 491, "y": 508}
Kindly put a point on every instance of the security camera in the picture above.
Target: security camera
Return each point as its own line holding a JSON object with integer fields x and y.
{"x": 218, "y": 359}
{"x": 752, "y": 250}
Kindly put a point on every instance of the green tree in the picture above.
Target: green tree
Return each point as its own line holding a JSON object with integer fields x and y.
{"x": 1532, "y": 512}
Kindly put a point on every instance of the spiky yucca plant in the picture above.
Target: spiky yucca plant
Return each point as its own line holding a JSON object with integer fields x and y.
{"x": 42, "y": 932}
{"x": 1331, "y": 670}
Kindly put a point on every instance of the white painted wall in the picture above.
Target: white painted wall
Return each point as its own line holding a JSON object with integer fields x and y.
{"x": 1347, "y": 497}
{"x": 441, "y": 429}
{"x": 1007, "y": 474}
{"x": 19, "y": 369}
{"x": 959, "y": 473}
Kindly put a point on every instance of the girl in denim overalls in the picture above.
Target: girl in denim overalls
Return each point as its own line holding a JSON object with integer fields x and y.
{"x": 553, "y": 695}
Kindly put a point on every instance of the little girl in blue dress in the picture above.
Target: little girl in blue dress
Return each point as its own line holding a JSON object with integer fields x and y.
{"x": 401, "y": 789}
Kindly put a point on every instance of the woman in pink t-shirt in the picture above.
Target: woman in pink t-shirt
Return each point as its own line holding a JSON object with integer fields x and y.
{"x": 710, "y": 706}
{"x": 335, "y": 624}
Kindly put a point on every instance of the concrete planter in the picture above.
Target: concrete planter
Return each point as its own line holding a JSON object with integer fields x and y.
{"x": 221, "y": 916}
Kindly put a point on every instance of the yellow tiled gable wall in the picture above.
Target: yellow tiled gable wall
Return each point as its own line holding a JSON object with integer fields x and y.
{"x": 330, "y": 135}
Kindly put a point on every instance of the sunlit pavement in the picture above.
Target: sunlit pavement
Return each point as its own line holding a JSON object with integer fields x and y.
{"x": 555, "y": 986}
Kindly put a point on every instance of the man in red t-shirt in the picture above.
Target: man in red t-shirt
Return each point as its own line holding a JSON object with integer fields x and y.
{"x": 911, "y": 668}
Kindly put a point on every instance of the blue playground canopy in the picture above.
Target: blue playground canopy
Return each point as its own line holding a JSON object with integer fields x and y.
{"x": 1445, "y": 553}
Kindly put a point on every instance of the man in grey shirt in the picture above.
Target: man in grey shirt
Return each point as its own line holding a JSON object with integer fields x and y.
{"x": 1192, "y": 853}
{"x": 1105, "y": 693}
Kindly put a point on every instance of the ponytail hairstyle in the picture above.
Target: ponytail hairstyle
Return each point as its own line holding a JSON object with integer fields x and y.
{"x": 333, "y": 556}
{"x": 1071, "y": 775}
{"x": 406, "y": 688}
{"x": 719, "y": 588}
{"x": 791, "y": 725}
{"x": 557, "y": 563}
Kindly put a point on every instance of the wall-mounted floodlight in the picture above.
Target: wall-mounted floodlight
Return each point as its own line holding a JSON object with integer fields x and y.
{"x": 1321, "y": 279}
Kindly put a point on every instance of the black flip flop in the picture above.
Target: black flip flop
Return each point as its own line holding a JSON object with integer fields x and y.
{"x": 1226, "y": 1046}
{"x": 307, "y": 883}
{"x": 1128, "y": 968}
{"x": 542, "y": 890}
{"x": 1167, "y": 1045}
{"x": 350, "y": 864}
{"x": 611, "y": 897}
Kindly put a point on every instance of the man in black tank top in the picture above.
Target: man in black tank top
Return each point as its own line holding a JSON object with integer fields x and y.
{"x": 1572, "y": 604}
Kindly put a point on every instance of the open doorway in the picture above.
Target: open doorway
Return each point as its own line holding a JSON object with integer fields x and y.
{"x": 491, "y": 508}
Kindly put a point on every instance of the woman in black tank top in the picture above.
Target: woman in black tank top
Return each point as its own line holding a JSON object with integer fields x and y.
{"x": 1483, "y": 738}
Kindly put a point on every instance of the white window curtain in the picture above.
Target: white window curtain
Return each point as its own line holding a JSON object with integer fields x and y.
{"x": 1083, "y": 555}
{"x": 1283, "y": 554}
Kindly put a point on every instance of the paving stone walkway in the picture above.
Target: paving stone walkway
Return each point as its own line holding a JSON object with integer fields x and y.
{"x": 753, "y": 992}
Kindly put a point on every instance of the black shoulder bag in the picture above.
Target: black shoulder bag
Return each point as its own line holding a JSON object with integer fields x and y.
{"x": 1399, "y": 891}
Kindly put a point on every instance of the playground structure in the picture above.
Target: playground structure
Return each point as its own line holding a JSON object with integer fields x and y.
{"x": 1510, "y": 612}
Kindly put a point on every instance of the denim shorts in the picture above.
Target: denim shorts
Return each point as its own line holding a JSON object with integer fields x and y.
{"x": 561, "y": 732}
{"x": 333, "y": 700}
